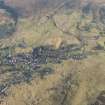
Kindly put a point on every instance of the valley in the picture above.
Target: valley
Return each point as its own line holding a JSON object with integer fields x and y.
{"x": 52, "y": 52}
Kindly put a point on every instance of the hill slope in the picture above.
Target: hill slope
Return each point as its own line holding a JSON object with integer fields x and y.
{"x": 56, "y": 54}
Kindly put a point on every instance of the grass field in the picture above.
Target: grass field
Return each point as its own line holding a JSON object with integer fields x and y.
{"x": 73, "y": 82}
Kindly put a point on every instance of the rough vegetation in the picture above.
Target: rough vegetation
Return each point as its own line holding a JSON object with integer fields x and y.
{"x": 52, "y": 52}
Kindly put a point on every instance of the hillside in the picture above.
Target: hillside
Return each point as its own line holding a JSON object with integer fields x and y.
{"x": 52, "y": 52}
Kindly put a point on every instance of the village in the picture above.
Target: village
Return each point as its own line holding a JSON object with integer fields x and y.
{"x": 43, "y": 55}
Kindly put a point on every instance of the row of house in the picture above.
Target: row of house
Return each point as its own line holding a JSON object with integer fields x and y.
{"x": 45, "y": 54}
{"x": 62, "y": 53}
